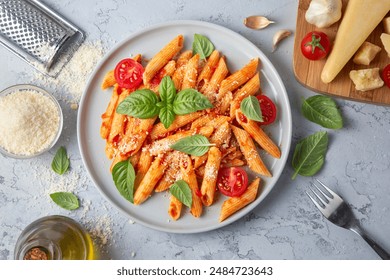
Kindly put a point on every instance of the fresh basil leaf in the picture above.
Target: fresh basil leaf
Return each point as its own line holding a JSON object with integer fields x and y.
{"x": 196, "y": 145}
{"x": 190, "y": 100}
{"x": 139, "y": 104}
{"x": 60, "y": 163}
{"x": 123, "y": 175}
{"x": 202, "y": 45}
{"x": 166, "y": 115}
{"x": 322, "y": 110}
{"x": 182, "y": 191}
{"x": 250, "y": 107}
{"x": 167, "y": 90}
{"x": 65, "y": 200}
{"x": 309, "y": 154}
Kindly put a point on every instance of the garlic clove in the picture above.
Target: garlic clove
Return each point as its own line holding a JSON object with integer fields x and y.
{"x": 279, "y": 36}
{"x": 257, "y": 22}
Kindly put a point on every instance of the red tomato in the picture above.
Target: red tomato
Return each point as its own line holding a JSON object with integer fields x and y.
{"x": 232, "y": 181}
{"x": 386, "y": 75}
{"x": 128, "y": 73}
{"x": 315, "y": 45}
{"x": 268, "y": 109}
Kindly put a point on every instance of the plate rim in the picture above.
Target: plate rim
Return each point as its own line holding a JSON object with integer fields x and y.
{"x": 270, "y": 67}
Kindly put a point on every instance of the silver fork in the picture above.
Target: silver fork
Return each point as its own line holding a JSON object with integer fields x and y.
{"x": 338, "y": 212}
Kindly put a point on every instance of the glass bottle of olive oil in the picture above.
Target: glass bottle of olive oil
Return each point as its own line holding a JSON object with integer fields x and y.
{"x": 54, "y": 238}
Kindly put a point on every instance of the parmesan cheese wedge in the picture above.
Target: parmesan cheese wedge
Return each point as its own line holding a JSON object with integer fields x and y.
{"x": 360, "y": 19}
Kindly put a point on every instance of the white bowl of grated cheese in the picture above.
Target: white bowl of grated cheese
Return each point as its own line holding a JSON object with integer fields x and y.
{"x": 31, "y": 121}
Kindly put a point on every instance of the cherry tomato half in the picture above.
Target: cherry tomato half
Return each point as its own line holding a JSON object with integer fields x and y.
{"x": 268, "y": 109}
{"x": 232, "y": 181}
{"x": 128, "y": 73}
{"x": 386, "y": 75}
{"x": 315, "y": 45}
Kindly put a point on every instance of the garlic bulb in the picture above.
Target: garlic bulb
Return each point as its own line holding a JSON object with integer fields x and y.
{"x": 323, "y": 13}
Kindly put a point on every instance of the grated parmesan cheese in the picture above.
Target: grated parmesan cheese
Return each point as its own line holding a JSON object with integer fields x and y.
{"x": 29, "y": 122}
{"x": 73, "y": 77}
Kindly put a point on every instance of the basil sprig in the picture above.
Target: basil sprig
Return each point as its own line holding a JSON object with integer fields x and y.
{"x": 182, "y": 191}
{"x": 60, "y": 163}
{"x": 145, "y": 104}
{"x": 123, "y": 175}
{"x": 202, "y": 46}
{"x": 250, "y": 107}
{"x": 65, "y": 200}
{"x": 322, "y": 110}
{"x": 309, "y": 154}
{"x": 195, "y": 145}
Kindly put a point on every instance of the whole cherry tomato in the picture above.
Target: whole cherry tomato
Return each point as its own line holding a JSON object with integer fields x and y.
{"x": 315, "y": 45}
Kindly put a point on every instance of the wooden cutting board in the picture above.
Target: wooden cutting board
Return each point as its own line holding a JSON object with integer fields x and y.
{"x": 308, "y": 72}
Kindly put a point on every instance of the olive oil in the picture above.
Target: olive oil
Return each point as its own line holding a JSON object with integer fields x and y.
{"x": 54, "y": 238}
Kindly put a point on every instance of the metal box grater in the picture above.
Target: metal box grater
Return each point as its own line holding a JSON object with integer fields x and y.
{"x": 38, "y": 35}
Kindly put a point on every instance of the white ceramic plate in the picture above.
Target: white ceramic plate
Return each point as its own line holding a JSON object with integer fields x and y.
{"x": 154, "y": 212}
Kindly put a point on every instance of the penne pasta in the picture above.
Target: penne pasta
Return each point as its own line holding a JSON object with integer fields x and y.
{"x": 208, "y": 69}
{"x": 164, "y": 145}
{"x": 233, "y": 204}
{"x": 188, "y": 175}
{"x": 235, "y": 80}
{"x": 142, "y": 166}
{"x": 175, "y": 207}
{"x": 210, "y": 176}
{"x": 107, "y": 116}
{"x": 191, "y": 73}
{"x": 160, "y": 131}
{"x": 249, "y": 151}
{"x": 258, "y": 134}
{"x": 210, "y": 88}
{"x": 108, "y": 80}
{"x": 250, "y": 88}
{"x": 162, "y": 58}
{"x": 149, "y": 181}
{"x": 146, "y": 143}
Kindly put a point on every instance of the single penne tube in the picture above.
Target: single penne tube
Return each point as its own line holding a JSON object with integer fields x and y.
{"x": 142, "y": 166}
{"x": 238, "y": 78}
{"x": 210, "y": 120}
{"x": 248, "y": 148}
{"x": 164, "y": 145}
{"x": 232, "y": 163}
{"x": 159, "y": 130}
{"x": 251, "y": 87}
{"x": 118, "y": 120}
{"x": 162, "y": 58}
{"x": 221, "y": 135}
{"x": 199, "y": 160}
{"x": 210, "y": 176}
{"x": 152, "y": 176}
{"x": 178, "y": 75}
{"x": 109, "y": 113}
{"x": 258, "y": 134}
{"x": 233, "y": 204}
{"x": 210, "y": 88}
{"x": 208, "y": 69}
{"x": 108, "y": 80}
{"x": 175, "y": 207}
{"x": 188, "y": 175}
{"x": 190, "y": 73}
